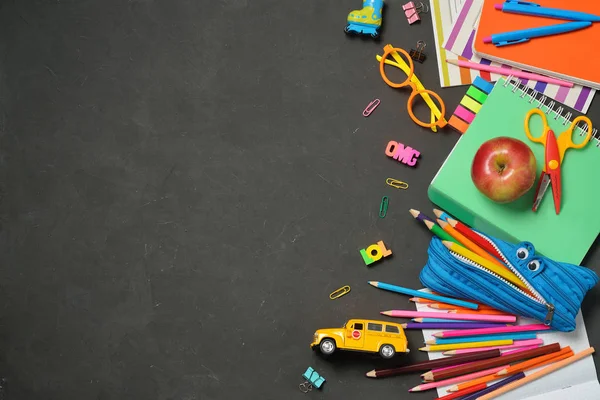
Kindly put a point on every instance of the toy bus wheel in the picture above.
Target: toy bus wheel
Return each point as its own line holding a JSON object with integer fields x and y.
{"x": 347, "y": 29}
{"x": 387, "y": 351}
{"x": 327, "y": 346}
{"x": 375, "y": 35}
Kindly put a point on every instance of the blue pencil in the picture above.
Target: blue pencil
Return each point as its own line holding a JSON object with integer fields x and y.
{"x": 424, "y": 295}
{"x": 485, "y": 338}
{"x": 441, "y": 214}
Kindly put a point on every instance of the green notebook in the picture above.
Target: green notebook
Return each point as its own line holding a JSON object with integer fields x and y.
{"x": 565, "y": 237}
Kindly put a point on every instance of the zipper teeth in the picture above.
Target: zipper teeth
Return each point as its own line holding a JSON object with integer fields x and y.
{"x": 479, "y": 267}
{"x": 514, "y": 270}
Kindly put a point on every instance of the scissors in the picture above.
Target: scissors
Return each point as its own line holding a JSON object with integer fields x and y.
{"x": 554, "y": 154}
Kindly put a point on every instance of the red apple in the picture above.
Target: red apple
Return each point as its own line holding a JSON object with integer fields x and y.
{"x": 503, "y": 169}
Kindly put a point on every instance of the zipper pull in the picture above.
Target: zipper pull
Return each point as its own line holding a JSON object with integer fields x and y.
{"x": 550, "y": 315}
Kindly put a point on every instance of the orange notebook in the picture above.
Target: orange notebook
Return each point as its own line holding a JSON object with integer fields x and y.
{"x": 573, "y": 56}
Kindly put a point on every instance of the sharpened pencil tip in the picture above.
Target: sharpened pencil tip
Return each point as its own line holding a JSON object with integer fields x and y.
{"x": 429, "y": 224}
{"x": 453, "y": 389}
{"x": 442, "y": 223}
{"x": 447, "y": 243}
{"x": 438, "y": 213}
{"x": 388, "y": 313}
{"x": 439, "y": 334}
{"x": 404, "y": 326}
{"x": 415, "y": 389}
{"x": 414, "y": 213}
{"x": 424, "y": 348}
{"x": 371, "y": 374}
{"x": 374, "y": 283}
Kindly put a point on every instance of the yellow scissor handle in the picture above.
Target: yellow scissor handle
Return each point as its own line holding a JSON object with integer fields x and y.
{"x": 565, "y": 140}
{"x": 436, "y": 114}
{"x": 542, "y": 138}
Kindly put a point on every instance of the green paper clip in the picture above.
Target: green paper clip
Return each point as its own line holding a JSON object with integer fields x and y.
{"x": 384, "y": 206}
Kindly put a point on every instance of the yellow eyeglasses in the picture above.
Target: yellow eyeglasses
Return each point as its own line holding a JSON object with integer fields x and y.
{"x": 437, "y": 113}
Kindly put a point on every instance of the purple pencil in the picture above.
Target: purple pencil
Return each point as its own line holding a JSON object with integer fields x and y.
{"x": 419, "y": 216}
{"x": 495, "y": 386}
{"x": 445, "y": 325}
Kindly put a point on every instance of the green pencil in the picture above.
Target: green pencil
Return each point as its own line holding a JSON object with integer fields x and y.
{"x": 439, "y": 232}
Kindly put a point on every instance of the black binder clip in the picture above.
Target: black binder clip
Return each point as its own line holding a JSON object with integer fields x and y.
{"x": 418, "y": 54}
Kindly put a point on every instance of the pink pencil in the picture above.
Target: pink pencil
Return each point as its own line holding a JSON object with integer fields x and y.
{"x": 458, "y": 379}
{"x": 503, "y": 354}
{"x": 506, "y": 72}
{"x": 491, "y": 331}
{"x": 468, "y": 317}
{"x": 516, "y": 344}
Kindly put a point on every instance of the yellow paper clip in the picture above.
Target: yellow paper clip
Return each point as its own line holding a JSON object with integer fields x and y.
{"x": 396, "y": 183}
{"x": 336, "y": 294}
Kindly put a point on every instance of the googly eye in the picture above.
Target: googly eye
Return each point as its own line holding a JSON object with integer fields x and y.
{"x": 533, "y": 265}
{"x": 522, "y": 253}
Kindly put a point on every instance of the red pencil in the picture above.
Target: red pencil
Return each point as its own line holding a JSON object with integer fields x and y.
{"x": 474, "y": 237}
{"x": 464, "y": 392}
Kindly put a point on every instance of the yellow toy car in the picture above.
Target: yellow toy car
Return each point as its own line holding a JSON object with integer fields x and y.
{"x": 385, "y": 338}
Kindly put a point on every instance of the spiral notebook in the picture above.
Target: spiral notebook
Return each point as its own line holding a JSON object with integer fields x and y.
{"x": 565, "y": 237}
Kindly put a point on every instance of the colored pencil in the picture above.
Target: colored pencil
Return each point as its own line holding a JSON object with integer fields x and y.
{"x": 484, "y": 338}
{"x": 509, "y": 71}
{"x": 439, "y": 232}
{"x": 474, "y": 237}
{"x": 495, "y": 386}
{"x": 494, "y": 362}
{"x": 446, "y": 325}
{"x": 466, "y": 242}
{"x": 454, "y": 380}
{"x": 461, "y": 310}
{"x": 472, "y": 345}
{"x": 444, "y": 306}
{"x": 453, "y": 321}
{"x": 516, "y": 344}
{"x": 503, "y": 272}
{"x": 443, "y": 215}
{"x": 492, "y": 331}
{"x": 538, "y": 374}
{"x": 501, "y": 355}
{"x": 419, "y": 216}
{"x": 535, "y": 362}
{"x": 426, "y": 365}
{"x": 469, "y": 317}
{"x": 412, "y": 292}
{"x": 458, "y": 395}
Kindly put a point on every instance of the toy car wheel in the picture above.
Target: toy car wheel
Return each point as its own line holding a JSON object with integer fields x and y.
{"x": 387, "y": 351}
{"x": 327, "y": 346}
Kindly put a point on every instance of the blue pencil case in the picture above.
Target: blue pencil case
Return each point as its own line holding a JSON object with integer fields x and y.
{"x": 557, "y": 289}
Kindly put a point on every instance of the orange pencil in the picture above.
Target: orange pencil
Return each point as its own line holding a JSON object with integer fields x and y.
{"x": 468, "y": 243}
{"x": 474, "y": 382}
{"x": 537, "y": 362}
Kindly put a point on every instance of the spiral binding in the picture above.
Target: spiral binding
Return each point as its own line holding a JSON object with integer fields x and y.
{"x": 531, "y": 95}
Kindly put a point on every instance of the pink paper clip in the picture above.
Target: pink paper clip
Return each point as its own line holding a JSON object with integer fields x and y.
{"x": 412, "y": 12}
{"x": 371, "y": 107}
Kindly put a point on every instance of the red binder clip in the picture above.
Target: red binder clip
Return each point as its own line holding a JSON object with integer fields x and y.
{"x": 412, "y": 12}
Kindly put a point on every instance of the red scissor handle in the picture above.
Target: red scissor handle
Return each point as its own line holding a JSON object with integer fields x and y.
{"x": 553, "y": 168}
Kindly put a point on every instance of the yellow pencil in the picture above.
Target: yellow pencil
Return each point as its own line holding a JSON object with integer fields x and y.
{"x": 472, "y": 345}
{"x": 503, "y": 272}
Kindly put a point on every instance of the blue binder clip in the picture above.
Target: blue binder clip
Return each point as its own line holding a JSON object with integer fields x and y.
{"x": 313, "y": 379}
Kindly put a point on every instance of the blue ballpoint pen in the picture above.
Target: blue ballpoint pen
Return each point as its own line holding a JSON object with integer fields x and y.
{"x": 521, "y": 36}
{"x": 527, "y": 8}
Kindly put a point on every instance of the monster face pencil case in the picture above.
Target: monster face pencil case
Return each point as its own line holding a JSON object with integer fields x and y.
{"x": 550, "y": 291}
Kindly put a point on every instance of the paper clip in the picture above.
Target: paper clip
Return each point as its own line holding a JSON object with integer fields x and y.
{"x": 418, "y": 54}
{"x": 371, "y": 107}
{"x": 336, "y": 294}
{"x": 396, "y": 183}
{"x": 384, "y": 206}
{"x": 412, "y": 12}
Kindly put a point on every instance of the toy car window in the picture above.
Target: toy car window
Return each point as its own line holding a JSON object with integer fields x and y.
{"x": 391, "y": 329}
{"x": 374, "y": 327}
{"x": 358, "y": 326}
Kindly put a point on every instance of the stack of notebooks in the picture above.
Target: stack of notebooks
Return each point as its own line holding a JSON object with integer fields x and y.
{"x": 567, "y": 236}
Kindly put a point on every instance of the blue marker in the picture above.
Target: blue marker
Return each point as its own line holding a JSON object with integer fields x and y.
{"x": 527, "y": 8}
{"x": 522, "y": 36}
